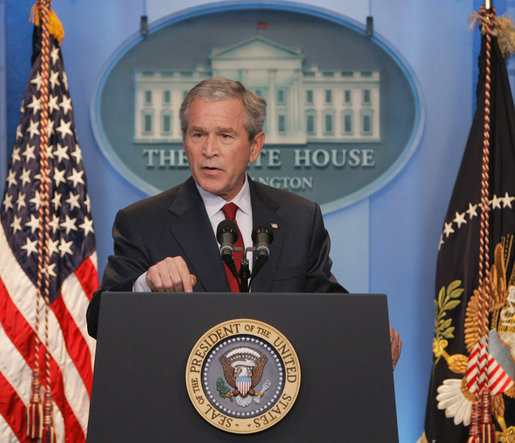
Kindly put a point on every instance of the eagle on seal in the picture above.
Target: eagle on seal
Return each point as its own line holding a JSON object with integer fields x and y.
{"x": 243, "y": 368}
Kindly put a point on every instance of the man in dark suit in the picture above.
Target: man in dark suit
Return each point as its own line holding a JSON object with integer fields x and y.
{"x": 168, "y": 243}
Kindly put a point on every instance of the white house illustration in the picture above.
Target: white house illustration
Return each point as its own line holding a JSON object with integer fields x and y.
{"x": 303, "y": 105}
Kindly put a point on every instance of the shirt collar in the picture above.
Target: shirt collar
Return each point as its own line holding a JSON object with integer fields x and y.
{"x": 215, "y": 203}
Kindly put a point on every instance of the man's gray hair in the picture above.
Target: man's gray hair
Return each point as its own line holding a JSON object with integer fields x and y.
{"x": 213, "y": 89}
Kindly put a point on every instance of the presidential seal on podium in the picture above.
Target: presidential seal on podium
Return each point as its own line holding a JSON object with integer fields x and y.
{"x": 243, "y": 376}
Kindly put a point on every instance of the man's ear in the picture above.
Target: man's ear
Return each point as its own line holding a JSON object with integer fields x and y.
{"x": 256, "y": 146}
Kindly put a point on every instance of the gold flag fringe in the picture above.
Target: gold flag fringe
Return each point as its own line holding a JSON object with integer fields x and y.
{"x": 503, "y": 29}
{"x": 55, "y": 26}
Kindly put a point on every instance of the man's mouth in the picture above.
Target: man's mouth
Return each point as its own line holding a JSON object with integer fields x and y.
{"x": 210, "y": 169}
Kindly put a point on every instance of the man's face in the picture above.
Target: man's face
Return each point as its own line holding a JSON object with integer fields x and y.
{"x": 217, "y": 145}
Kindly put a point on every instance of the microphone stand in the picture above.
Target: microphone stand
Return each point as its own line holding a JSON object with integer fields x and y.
{"x": 244, "y": 273}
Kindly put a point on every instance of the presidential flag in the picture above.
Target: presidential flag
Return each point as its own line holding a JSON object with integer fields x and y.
{"x": 474, "y": 341}
{"x": 46, "y": 241}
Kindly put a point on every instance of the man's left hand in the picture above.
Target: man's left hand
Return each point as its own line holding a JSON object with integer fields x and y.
{"x": 396, "y": 344}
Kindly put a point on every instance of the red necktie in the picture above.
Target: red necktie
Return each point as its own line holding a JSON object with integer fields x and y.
{"x": 229, "y": 211}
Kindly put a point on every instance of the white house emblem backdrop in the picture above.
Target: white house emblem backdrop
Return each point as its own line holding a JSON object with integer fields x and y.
{"x": 344, "y": 113}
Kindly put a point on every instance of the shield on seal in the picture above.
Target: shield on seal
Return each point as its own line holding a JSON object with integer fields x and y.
{"x": 243, "y": 385}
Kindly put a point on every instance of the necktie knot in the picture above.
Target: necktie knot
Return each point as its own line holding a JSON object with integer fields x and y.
{"x": 229, "y": 211}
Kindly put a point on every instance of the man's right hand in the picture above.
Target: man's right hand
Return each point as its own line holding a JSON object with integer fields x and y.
{"x": 170, "y": 275}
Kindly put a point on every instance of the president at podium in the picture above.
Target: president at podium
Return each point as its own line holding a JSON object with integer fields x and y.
{"x": 271, "y": 240}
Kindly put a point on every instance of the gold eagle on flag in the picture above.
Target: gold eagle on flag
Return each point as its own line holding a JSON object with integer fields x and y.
{"x": 456, "y": 396}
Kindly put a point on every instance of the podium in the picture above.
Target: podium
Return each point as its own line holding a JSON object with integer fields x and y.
{"x": 144, "y": 341}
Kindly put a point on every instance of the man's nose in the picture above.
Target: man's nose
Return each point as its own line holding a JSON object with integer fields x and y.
{"x": 210, "y": 146}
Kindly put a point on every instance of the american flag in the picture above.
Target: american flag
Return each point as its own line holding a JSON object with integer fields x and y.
{"x": 72, "y": 267}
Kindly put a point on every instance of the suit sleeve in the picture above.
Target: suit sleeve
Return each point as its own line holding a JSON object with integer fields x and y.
{"x": 131, "y": 257}
{"x": 319, "y": 277}
{"x": 129, "y": 261}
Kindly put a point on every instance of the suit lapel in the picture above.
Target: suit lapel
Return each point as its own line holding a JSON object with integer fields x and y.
{"x": 264, "y": 209}
{"x": 192, "y": 231}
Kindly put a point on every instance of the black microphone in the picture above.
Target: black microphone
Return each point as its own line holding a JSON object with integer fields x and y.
{"x": 262, "y": 236}
{"x": 226, "y": 235}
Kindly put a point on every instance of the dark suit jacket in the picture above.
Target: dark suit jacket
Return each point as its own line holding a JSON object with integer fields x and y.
{"x": 175, "y": 223}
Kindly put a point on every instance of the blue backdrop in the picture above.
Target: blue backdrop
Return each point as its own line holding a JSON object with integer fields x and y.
{"x": 386, "y": 243}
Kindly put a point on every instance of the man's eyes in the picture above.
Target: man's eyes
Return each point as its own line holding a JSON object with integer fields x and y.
{"x": 223, "y": 135}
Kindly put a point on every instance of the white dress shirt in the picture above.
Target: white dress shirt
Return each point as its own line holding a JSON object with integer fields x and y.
{"x": 214, "y": 204}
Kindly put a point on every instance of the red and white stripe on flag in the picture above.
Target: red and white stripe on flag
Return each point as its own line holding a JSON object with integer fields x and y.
{"x": 498, "y": 380}
{"x": 72, "y": 350}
